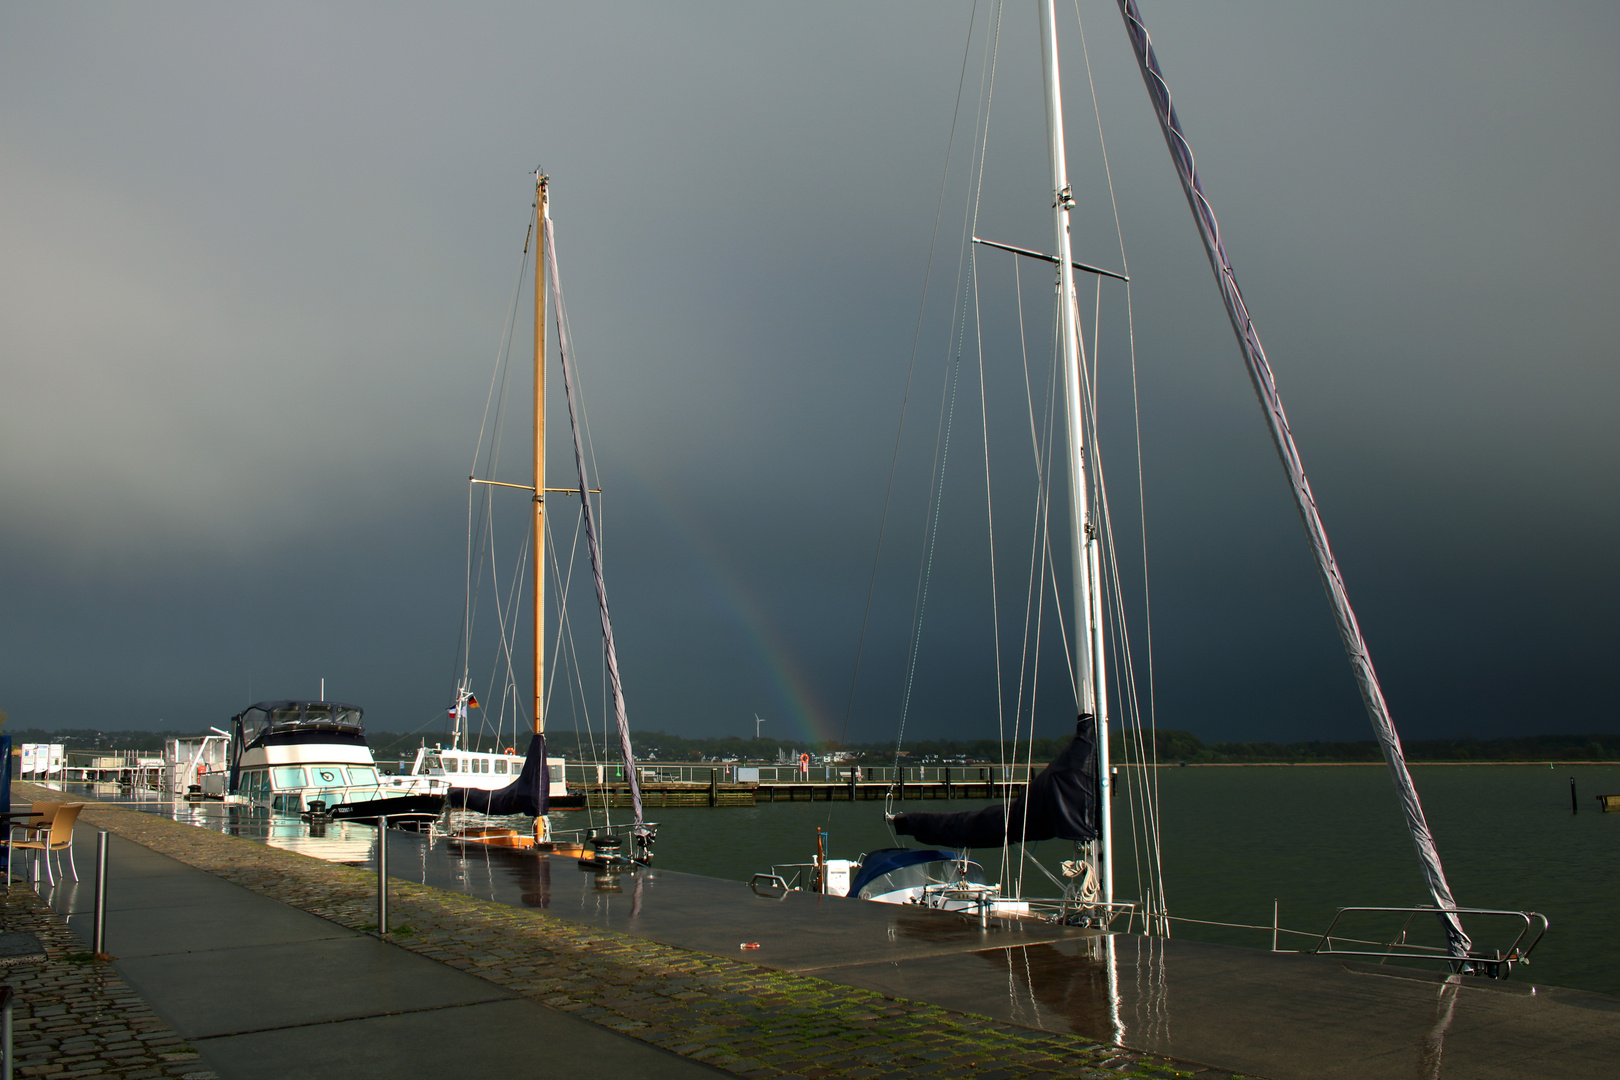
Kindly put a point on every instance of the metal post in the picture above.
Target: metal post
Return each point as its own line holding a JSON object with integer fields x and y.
{"x": 1574, "y": 806}
{"x": 6, "y": 995}
{"x": 1275, "y": 924}
{"x": 382, "y": 876}
{"x": 98, "y": 935}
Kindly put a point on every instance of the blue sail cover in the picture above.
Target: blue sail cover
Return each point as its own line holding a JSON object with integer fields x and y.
{"x": 1060, "y": 803}
{"x": 529, "y": 794}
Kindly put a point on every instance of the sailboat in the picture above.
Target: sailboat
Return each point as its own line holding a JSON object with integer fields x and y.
{"x": 439, "y": 767}
{"x": 1071, "y": 799}
{"x": 531, "y": 792}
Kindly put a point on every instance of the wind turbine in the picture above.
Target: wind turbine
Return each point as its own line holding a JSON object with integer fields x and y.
{"x": 758, "y": 720}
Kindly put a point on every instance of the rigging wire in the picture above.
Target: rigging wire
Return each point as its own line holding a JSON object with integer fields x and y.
{"x": 941, "y": 451}
{"x": 1148, "y": 758}
{"x": 911, "y": 365}
{"x": 497, "y": 380}
{"x": 984, "y": 415}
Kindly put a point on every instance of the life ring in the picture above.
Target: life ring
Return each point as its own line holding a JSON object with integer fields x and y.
{"x": 511, "y": 750}
{"x": 804, "y": 759}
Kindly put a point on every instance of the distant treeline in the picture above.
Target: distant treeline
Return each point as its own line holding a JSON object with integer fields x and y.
{"x": 1171, "y": 746}
{"x": 1184, "y": 746}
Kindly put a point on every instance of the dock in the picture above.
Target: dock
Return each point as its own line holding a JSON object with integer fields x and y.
{"x": 946, "y": 783}
{"x": 495, "y": 961}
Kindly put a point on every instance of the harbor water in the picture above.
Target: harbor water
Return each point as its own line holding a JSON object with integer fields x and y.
{"x": 1310, "y": 838}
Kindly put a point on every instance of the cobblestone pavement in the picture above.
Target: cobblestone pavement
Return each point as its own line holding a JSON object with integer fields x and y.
{"x": 74, "y": 1017}
{"x": 749, "y": 1020}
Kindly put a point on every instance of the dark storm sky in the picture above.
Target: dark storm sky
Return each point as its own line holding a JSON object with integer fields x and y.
{"x": 257, "y": 263}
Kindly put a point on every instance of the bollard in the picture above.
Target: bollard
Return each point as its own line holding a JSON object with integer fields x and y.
{"x": 1574, "y": 806}
{"x": 98, "y": 935}
{"x": 382, "y": 876}
{"x": 6, "y": 995}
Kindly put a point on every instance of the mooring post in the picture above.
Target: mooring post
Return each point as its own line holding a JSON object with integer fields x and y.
{"x": 714, "y": 787}
{"x": 382, "y": 876}
{"x": 1574, "y": 804}
{"x": 6, "y": 995}
{"x": 98, "y": 934}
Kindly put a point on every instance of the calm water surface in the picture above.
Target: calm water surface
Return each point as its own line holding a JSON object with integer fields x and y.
{"x": 1312, "y": 838}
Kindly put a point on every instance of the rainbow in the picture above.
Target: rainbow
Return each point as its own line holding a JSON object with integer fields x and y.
{"x": 800, "y": 714}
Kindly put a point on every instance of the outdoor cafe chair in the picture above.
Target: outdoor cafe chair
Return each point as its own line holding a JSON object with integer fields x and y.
{"x": 59, "y": 836}
{"x": 36, "y": 822}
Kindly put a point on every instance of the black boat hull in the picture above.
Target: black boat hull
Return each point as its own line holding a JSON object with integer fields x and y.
{"x": 397, "y": 807}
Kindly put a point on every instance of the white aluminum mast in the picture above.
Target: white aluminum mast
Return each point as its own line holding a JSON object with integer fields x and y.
{"x": 1088, "y": 647}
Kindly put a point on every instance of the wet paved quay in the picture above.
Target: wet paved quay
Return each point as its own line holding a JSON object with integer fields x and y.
{"x": 646, "y": 968}
{"x": 266, "y": 963}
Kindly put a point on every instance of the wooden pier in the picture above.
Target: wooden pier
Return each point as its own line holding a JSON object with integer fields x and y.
{"x": 973, "y": 783}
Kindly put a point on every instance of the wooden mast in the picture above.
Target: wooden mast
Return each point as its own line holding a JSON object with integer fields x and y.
{"x": 542, "y": 213}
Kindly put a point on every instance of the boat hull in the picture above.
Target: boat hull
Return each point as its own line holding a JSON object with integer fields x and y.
{"x": 398, "y": 807}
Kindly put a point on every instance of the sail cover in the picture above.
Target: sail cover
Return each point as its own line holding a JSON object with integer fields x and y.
{"x": 529, "y": 794}
{"x": 1060, "y": 803}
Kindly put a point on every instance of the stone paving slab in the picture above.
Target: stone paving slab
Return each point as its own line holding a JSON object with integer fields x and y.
{"x": 746, "y": 1019}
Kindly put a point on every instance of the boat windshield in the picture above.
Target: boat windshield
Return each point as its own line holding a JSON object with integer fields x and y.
{"x": 283, "y": 715}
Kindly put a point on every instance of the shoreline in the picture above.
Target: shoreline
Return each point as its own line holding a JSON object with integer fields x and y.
{"x": 1342, "y": 764}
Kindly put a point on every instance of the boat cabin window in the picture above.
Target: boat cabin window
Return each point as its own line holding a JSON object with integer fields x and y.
{"x": 287, "y": 778}
{"x": 452, "y": 765}
{"x": 327, "y": 776}
{"x": 500, "y": 765}
{"x": 431, "y": 762}
{"x": 362, "y": 776}
{"x": 286, "y": 714}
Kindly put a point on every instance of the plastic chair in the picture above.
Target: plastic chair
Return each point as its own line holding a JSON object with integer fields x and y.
{"x": 59, "y": 837}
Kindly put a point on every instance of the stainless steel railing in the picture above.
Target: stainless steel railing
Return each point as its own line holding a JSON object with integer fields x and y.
{"x": 1497, "y": 963}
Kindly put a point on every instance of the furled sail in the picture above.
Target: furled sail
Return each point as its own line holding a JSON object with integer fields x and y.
{"x": 1265, "y": 388}
{"x": 1060, "y": 803}
{"x": 529, "y": 794}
